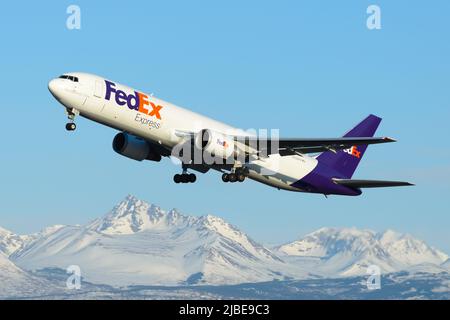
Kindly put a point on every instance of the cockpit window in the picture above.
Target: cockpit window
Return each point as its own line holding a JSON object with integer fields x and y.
{"x": 71, "y": 78}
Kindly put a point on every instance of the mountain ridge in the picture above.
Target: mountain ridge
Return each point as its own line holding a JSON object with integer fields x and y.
{"x": 147, "y": 245}
{"x": 139, "y": 243}
{"x": 350, "y": 251}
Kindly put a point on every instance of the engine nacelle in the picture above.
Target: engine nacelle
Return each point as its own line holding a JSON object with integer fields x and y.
{"x": 216, "y": 144}
{"x": 134, "y": 147}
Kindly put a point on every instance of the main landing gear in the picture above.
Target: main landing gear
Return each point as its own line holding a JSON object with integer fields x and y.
{"x": 185, "y": 177}
{"x": 237, "y": 176}
{"x": 71, "y": 114}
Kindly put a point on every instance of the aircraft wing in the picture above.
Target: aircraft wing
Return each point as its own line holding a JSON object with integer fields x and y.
{"x": 298, "y": 145}
{"x": 354, "y": 183}
{"x": 290, "y": 146}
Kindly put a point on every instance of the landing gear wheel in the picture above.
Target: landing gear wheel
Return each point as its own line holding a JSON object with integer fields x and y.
{"x": 71, "y": 114}
{"x": 225, "y": 177}
{"x": 232, "y": 177}
{"x": 71, "y": 126}
{"x": 184, "y": 178}
{"x": 240, "y": 177}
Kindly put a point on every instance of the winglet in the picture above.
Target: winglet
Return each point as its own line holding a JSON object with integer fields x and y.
{"x": 389, "y": 139}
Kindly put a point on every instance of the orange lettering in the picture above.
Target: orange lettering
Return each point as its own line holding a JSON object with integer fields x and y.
{"x": 143, "y": 101}
{"x": 155, "y": 110}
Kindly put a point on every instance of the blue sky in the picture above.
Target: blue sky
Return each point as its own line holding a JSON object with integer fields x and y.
{"x": 309, "y": 68}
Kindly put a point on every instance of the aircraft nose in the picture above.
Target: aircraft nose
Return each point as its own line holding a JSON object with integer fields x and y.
{"x": 54, "y": 87}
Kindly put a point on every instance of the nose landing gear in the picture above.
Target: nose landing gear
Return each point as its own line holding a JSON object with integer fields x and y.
{"x": 71, "y": 114}
{"x": 71, "y": 126}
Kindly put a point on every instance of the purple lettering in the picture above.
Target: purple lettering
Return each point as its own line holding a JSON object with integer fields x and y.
{"x": 109, "y": 89}
{"x": 121, "y": 97}
{"x": 133, "y": 101}
{"x": 134, "y": 97}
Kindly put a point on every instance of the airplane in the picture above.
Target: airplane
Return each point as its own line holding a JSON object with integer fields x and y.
{"x": 150, "y": 128}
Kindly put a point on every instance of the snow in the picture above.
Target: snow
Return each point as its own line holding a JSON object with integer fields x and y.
{"x": 138, "y": 243}
{"x": 15, "y": 282}
{"x": 349, "y": 251}
{"x": 10, "y": 242}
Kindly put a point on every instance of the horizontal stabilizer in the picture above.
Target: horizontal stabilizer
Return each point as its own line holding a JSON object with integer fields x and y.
{"x": 353, "y": 183}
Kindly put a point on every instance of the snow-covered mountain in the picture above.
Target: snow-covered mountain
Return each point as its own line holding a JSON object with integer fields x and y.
{"x": 139, "y": 243}
{"x": 9, "y": 269}
{"x": 349, "y": 251}
{"x": 15, "y": 282}
{"x": 10, "y": 242}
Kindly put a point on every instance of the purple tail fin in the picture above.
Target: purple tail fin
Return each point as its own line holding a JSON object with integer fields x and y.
{"x": 346, "y": 161}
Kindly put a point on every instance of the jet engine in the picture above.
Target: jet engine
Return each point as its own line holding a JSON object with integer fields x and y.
{"x": 216, "y": 144}
{"x": 134, "y": 147}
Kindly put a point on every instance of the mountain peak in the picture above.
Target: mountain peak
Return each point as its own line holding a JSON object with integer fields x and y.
{"x": 389, "y": 236}
{"x": 10, "y": 242}
{"x": 342, "y": 232}
{"x": 130, "y": 202}
{"x": 133, "y": 215}
{"x": 130, "y": 198}
{"x": 351, "y": 250}
{"x": 217, "y": 224}
{"x": 129, "y": 216}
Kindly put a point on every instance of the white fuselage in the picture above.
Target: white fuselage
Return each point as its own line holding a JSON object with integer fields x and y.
{"x": 159, "y": 121}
